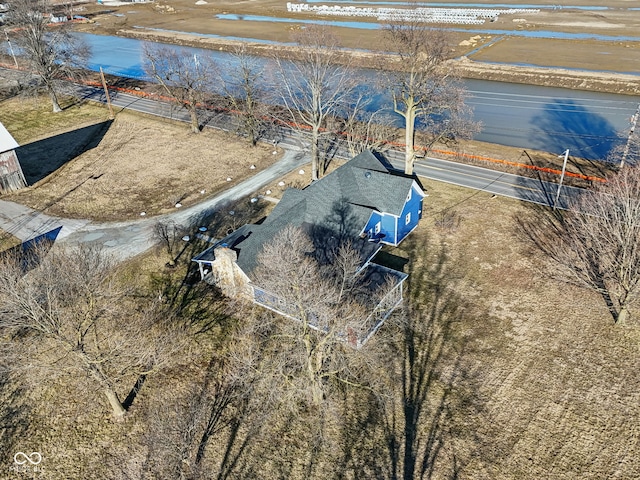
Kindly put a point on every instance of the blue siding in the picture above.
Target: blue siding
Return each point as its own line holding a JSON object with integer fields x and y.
{"x": 395, "y": 229}
{"x": 369, "y": 228}
{"x": 414, "y": 208}
{"x": 388, "y": 228}
{"x": 387, "y": 222}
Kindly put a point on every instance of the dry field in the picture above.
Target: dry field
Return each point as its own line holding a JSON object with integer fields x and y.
{"x": 199, "y": 25}
{"x": 542, "y": 384}
{"x": 557, "y": 379}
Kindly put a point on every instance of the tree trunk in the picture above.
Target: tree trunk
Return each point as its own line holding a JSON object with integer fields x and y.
{"x": 54, "y": 101}
{"x": 410, "y": 124}
{"x": 116, "y": 405}
{"x": 195, "y": 124}
{"x": 623, "y": 314}
{"x": 315, "y": 155}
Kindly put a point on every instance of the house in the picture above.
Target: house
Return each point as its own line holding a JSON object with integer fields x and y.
{"x": 362, "y": 201}
{"x": 11, "y": 176}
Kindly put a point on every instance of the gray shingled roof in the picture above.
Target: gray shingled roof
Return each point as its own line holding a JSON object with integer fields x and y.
{"x": 338, "y": 204}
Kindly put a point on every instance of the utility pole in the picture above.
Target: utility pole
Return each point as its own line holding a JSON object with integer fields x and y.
{"x": 634, "y": 122}
{"x": 106, "y": 93}
{"x": 11, "y": 49}
{"x": 564, "y": 168}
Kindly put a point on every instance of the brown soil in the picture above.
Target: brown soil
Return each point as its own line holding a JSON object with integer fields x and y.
{"x": 478, "y": 52}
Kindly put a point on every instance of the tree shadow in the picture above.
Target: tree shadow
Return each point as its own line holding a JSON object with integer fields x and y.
{"x": 542, "y": 230}
{"x": 339, "y": 226}
{"x": 428, "y": 426}
{"x": 195, "y": 301}
{"x": 14, "y": 415}
{"x": 207, "y": 430}
{"x": 425, "y": 419}
{"x": 566, "y": 124}
{"x": 43, "y": 157}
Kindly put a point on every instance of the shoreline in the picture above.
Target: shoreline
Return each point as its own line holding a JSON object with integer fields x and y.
{"x": 574, "y": 79}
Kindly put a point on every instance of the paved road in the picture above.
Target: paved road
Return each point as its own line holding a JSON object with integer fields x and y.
{"x": 498, "y": 183}
{"x": 127, "y": 239}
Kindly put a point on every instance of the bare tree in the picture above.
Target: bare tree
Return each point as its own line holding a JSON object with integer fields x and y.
{"x": 328, "y": 301}
{"x": 597, "y": 243}
{"x": 170, "y": 235}
{"x": 185, "y": 77}
{"x": 50, "y": 50}
{"x": 425, "y": 88}
{"x": 245, "y": 88}
{"x": 69, "y": 310}
{"x": 368, "y": 130}
{"x": 627, "y": 150}
{"x": 314, "y": 89}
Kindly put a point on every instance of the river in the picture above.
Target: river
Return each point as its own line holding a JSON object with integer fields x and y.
{"x": 525, "y": 116}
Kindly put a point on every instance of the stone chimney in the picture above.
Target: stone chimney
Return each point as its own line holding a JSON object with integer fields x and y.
{"x": 228, "y": 276}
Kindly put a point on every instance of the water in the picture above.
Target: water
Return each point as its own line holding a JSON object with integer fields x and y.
{"x": 530, "y": 117}
{"x": 378, "y": 25}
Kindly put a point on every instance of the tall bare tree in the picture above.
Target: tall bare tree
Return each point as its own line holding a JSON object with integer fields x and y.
{"x": 367, "y": 129}
{"x": 245, "y": 88}
{"x": 50, "y": 50}
{"x": 315, "y": 88}
{"x": 72, "y": 315}
{"x": 330, "y": 303}
{"x": 596, "y": 243}
{"x": 424, "y": 87}
{"x": 185, "y": 77}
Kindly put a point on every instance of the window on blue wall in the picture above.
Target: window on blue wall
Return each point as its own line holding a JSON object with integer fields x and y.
{"x": 409, "y": 196}
{"x": 407, "y": 218}
{"x": 376, "y": 229}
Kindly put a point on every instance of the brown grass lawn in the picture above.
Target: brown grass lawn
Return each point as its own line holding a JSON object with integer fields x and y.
{"x": 552, "y": 380}
{"x": 555, "y": 383}
{"x": 135, "y": 164}
{"x": 558, "y": 379}
{"x": 7, "y": 240}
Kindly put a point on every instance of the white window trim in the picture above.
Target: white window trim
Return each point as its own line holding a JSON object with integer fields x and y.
{"x": 407, "y": 218}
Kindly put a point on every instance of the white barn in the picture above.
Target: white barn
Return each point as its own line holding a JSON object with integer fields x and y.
{"x": 11, "y": 176}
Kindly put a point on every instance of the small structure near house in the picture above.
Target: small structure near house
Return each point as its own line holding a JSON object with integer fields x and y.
{"x": 362, "y": 202}
{"x": 11, "y": 176}
{"x": 58, "y": 18}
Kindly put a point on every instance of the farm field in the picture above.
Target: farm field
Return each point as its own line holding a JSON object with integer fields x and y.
{"x": 580, "y": 36}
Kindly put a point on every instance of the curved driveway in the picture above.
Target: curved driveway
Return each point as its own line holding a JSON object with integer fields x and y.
{"x": 127, "y": 239}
